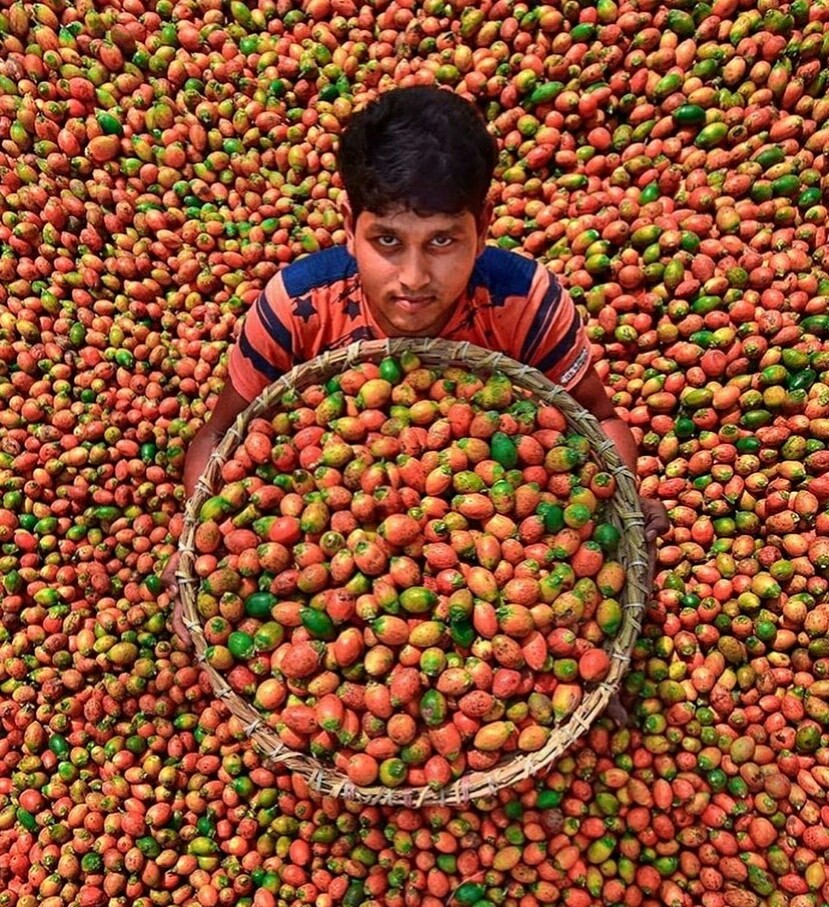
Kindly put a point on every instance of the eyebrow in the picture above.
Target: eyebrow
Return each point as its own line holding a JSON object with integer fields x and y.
{"x": 380, "y": 228}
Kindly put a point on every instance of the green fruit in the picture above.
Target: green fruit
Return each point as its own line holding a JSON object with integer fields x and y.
{"x": 213, "y": 508}
{"x": 543, "y": 94}
{"x": 711, "y": 136}
{"x": 553, "y": 516}
{"x": 268, "y": 636}
{"x": 318, "y": 624}
{"x": 390, "y": 370}
{"x": 607, "y": 536}
{"x": 418, "y": 600}
{"x": 462, "y": 632}
{"x": 241, "y": 645}
{"x": 259, "y": 604}
{"x": 392, "y": 772}
{"x": 689, "y": 115}
{"x": 469, "y": 893}
{"x": 577, "y": 515}
{"x": 503, "y": 450}
{"x": 110, "y": 124}
{"x": 433, "y": 708}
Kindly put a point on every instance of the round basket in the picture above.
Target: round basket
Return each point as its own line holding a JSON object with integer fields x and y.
{"x": 624, "y": 512}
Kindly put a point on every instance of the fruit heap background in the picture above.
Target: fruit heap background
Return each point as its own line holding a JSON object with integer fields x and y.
{"x": 158, "y": 163}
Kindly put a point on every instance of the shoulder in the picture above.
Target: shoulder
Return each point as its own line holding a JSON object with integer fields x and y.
{"x": 318, "y": 271}
{"x": 505, "y": 274}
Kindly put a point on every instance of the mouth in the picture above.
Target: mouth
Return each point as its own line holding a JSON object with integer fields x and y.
{"x": 412, "y": 302}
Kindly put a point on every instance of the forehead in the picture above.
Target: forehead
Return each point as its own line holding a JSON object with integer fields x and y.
{"x": 408, "y": 222}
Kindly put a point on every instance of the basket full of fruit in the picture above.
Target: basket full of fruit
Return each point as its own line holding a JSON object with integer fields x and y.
{"x": 414, "y": 570}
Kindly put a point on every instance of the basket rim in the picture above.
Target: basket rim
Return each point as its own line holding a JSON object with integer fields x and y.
{"x": 632, "y": 554}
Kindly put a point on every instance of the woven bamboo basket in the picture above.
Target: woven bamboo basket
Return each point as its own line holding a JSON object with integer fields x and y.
{"x": 624, "y": 512}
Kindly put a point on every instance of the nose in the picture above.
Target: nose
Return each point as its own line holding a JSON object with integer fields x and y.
{"x": 414, "y": 273}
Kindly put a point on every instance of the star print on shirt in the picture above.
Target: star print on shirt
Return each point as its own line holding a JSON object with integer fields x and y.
{"x": 363, "y": 332}
{"x": 305, "y": 308}
{"x": 473, "y": 304}
{"x": 352, "y": 307}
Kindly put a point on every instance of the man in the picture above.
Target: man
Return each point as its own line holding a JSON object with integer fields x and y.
{"x": 417, "y": 165}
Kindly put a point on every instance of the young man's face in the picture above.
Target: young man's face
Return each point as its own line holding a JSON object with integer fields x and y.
{"x": 413, "y": 269}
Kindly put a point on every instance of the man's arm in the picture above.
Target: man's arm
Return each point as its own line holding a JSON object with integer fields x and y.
{"x": 262, "y": 353}
{"x": 227, "y": 408}
{"x": 590, "y": 393}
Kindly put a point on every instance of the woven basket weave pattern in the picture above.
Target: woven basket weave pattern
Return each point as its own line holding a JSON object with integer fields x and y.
{"x": 624, "y": 512}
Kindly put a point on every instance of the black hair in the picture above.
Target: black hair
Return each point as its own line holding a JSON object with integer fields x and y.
{"x": 422, "y": 148}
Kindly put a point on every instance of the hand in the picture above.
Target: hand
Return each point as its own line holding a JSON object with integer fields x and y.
{"x": 168, "y": 577}
{"x": 656, "y": 525}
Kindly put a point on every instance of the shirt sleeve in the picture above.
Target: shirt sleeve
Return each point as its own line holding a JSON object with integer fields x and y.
{"x": 554, "y": 339}
{"x": 265, "y": 347}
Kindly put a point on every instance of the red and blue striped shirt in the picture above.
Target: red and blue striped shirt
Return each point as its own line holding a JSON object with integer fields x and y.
{"x": 512, "y": 304}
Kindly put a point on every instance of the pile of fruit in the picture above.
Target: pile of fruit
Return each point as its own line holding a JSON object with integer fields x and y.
{"x": 159, "y": 161}
{"x": 406, "y": 571}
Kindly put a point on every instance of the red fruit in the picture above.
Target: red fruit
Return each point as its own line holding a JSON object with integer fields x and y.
{"x": 413, "y": 474}
{"x": 362, "y": 769}
{"x": 460, "y": 417}
{"x": 405, "y": 686}
{"x": 378, "y": 700}
{"x": 240, "y": 539}
{"x": 402, "y": 729}
{"x": 515, "y": 621}
{"x": 347, "y": 647}
{"x": 301, "y": 660}
{"x": 399, "y": 530}
{"x": 207, "y": 538}
{"x": 819, "y": 486}
{"x": 507, "y": 652}
{"x": 330, "y": 712}
{"x": 391, "y": 630}
{"x": 103, "y": 147}
{"x": 446, "y": 740}
{"x": 484, "y": 619}
{"x": 587, "y": 560}
{"x": 549, "y": 417}
{"x": 482, "y": 584}
{"x": 440, "y": 556}
{"x": 273, "y": 557}
{"x": 285, "y": 530}
{"x": 522, "y": 591}
{"x": 476, "y": 704}
{"x": 594, "y": 665}
{"x": 473, "y": 506}
{"x": 370, "y": 558}
{"x": 530, "y": 450}
{"x": 300, "y": 718}
{"x": 505, "y": 683}
{"x": 258, "y": 447}
{"x": 534, "y": 651}
{"x": 438, "y": 772}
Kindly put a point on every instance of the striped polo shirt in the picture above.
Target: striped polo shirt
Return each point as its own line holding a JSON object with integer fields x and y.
{"x": 512, "y": 305}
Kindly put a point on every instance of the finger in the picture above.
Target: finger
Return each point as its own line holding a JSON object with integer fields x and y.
{"x": 182, "y": 631}
{"x": 651, "y": 566}
{"x": 617, "y": 711}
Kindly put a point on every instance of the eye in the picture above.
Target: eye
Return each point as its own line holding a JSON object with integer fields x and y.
{"x": 386, "y": 241}
{"x": 443, "y": 242}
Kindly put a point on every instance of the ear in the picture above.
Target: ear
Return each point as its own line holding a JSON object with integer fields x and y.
{"x": 348, "y": 221}
{"x": 483, "y": 225}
